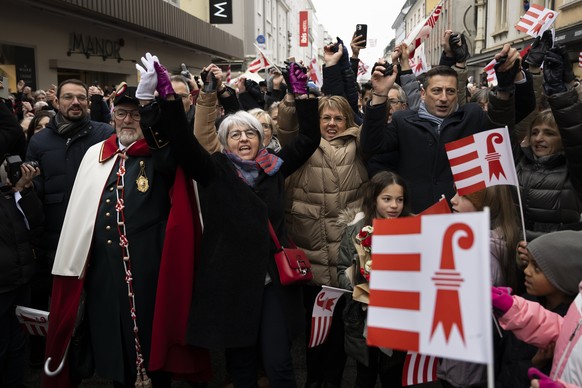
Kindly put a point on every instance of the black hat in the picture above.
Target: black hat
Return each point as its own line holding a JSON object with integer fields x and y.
{"x": 125, "y": 95}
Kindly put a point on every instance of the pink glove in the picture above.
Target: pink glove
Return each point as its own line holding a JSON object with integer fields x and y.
{"x": 543, "y": 380}
{"x": 164, "y": 87}
{"x": 298, "y": 79}
{"x": 501, "y": 299}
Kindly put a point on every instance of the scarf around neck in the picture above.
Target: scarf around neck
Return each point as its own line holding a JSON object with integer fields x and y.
{"x": 67, "y": 127}
{"x": 248, "y": 170}
{"x": 424, "y": 114}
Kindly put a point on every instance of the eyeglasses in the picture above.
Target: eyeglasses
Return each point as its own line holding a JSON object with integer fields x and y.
{"x": 121, "y": 114}
{"x": 249, "y": 133}
{"x": 395, "y": 101}
{"x": 337, "y": 119}
{"x": 70, "y": 97}
{"x": 266, "y": 126}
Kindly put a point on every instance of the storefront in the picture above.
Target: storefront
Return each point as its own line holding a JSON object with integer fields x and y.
{"x": 46, "y": 42}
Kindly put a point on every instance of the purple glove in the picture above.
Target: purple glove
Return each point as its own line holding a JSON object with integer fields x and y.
{"x": 501, "y": 299}
{"x": 164, "y": 87}
{"x": 297, "y": 79}
{"x": 544, "y": 381}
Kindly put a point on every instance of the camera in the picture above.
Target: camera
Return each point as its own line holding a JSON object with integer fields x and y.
{"x": 13, "y": 163}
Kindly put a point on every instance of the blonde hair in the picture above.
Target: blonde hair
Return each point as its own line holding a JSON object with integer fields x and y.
{"x": 338, "y": 103}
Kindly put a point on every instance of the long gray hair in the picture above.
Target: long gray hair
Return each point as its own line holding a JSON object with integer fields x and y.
{"x": 240, "y": 119}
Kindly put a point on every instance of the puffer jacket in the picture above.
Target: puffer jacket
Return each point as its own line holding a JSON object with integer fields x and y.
{"x": 329, "y": 182}
{"x": 532, "y": 323}
{"x": 551, "y": 186}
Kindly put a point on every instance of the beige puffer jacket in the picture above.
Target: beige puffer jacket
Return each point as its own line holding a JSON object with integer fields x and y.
{"x": 328, "y": 183}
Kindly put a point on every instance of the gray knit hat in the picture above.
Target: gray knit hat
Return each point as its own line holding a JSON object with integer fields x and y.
{"x": 559, "y": 256}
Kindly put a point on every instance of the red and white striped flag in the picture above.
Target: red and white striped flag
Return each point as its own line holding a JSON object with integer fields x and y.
{"x": 482, "y": 160}
{"x": 315, "y": 73}
{"x": 259, "y": 63}
{"x": 35, "y": 321}
{"x": 419, "y": 369}
{"x": 362, "y": 68}
{"x": 228, "y": 75}
{"x": 536, "y": 20}
{"x": 490, "y": 70}
{"x": 430, "y": 286}
{"x": 580, "y": 59}
{"x": 423, "y": 29}
{"x": 322, "y": 315}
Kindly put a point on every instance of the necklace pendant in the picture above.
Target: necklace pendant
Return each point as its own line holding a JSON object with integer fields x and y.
{"x": 143, "y": 184}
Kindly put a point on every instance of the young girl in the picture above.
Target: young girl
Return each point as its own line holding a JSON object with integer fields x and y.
{"x": 548, "y": 281}
{"x": 385, "y": 196}
{"x": 553, "y": 268}
{"x": 503, "y": 240}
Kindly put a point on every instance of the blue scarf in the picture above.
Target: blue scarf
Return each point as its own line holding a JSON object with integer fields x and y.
{"x": 248, "y": 170}
{"x": 423, "y": 114}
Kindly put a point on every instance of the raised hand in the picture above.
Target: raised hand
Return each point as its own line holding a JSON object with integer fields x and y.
{"x": 148, "y": 78}
{"x": 297, "y": 79}
{"x": 554, "y": 68}
{"x": 507, "y": 67}
{"x": 331, "y": 56}
{"x": 357, "y": 44}
{"x": 501, "y": 299}
{"x": 164, "y": 87}
{"x": 539, "y": 379}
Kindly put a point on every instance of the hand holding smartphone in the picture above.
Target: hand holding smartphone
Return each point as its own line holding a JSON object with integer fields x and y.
{"x": 362, "y": 30}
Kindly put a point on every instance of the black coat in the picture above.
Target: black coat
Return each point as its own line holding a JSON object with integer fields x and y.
{"x": 237, "y": 251}
{"x": 423, "y": 161}
{"x": 59, "y": 158}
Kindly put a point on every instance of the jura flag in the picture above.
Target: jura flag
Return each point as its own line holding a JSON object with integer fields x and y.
{"x": 430, "y": 286}
{"x": 35, "y": 321}
{"x": 362, "y": 68}
{"x": 482, "y": 160}
{"x": 536, "y": 20}
{"x": 580, "y": 59}
{"x": 423, "y": 30}
{"x": 259, "y": 63}
{"x": 315, "y": 73}
{"x": 490, "y": 70}
{"x": 419, "y": 369}
{"x": 418, "y": 63}
{"x": 322, "y": 314}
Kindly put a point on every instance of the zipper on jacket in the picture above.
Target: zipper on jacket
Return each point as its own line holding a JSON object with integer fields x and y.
{"x": 566, "y": 350}
{"x": 68, "y": 141}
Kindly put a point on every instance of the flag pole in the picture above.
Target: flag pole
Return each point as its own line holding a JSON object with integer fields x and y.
{"x": 268, "y": 59}
{"x": 521, "y": 212}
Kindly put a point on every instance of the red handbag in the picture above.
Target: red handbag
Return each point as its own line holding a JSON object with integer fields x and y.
{"x": 292, "y": 263}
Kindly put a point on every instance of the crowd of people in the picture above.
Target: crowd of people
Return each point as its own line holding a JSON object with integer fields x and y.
{"x": 140, "y": 216}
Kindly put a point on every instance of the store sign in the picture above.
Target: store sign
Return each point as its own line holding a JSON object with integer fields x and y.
{"x": 303, "y": 29}
{"x": 220, "y": 11}
{"x": 94, "y": 46}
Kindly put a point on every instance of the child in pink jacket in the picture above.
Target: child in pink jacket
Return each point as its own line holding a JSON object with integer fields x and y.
{"x": 533, "y": 324}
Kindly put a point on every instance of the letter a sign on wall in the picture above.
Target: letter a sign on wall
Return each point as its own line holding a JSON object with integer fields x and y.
{"x": 303, "y": 29}
{"x": 220, "y": 11}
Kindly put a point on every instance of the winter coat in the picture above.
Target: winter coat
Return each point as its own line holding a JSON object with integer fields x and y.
{"x": 535, "y": 325}
{"x": 516, "y": 356}
{"x": 236, "y": 252}
{"x": 59, "y": 158}
{"x": 329, "y": 182}
{"x": 423, "y": 162}
{"x": 551, "y": 186}
{"x": 17, "y": 261}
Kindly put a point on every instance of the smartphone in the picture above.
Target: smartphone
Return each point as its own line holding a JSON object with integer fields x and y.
{"x": 362, "y": 30}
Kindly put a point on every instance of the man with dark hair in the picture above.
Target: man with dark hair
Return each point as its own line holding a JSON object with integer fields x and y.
{"x": 419, "y": 137}
{"x": 58, "y": 149}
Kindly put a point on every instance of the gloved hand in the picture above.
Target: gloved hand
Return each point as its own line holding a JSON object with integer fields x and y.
{"x": 543, "y": 380}
{"x": 297, "y": 79}
{"x": 461, "y": 50}
{"x": 164, "y": 87}
{"x": 568, "y": 72}
{"x": 554, "y": 72}
{"x": 539, "y": 48}
{"x": 501, "y": 299}
{"x": 148, "y": 80}
{"x": 506, "y": 79}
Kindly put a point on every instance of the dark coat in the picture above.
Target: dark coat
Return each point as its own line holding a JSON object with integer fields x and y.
{"x": 423, "y": 161}
{"x": 59, "y": 158}
{"x": 236, "y": 250}
{"x": 551, "y": 186}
